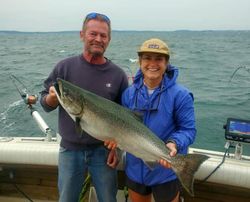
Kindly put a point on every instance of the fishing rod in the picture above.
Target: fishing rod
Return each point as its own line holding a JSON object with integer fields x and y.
{"x": 238, "y": 68}
{"x": 30, "y": 99}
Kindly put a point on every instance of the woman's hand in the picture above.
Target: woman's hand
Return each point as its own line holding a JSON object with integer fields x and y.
{"x": 173, "y": 151}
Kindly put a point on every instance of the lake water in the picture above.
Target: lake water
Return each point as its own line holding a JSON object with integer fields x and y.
{"x": 206, "y": 60}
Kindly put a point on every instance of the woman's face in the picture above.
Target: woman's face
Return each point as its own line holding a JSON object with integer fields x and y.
{"x": 153, "y": 66}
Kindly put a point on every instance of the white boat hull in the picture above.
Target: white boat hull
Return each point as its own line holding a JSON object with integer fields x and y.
{"x": 39, "y": 153}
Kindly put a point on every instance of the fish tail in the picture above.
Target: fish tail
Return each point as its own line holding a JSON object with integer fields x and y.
{"x": 185, "y": 167}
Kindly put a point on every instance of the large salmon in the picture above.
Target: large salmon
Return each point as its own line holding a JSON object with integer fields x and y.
{"x": 106, "y": 120}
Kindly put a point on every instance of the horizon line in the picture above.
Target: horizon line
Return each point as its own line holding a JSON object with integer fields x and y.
{"x": 188, "y": 30}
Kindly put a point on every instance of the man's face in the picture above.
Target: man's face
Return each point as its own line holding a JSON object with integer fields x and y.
{"x": 153, "y": 66}
{"x": 96, "y": 37}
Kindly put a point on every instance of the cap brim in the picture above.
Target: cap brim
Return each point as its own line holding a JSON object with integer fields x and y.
{"x": 148, "y": 51}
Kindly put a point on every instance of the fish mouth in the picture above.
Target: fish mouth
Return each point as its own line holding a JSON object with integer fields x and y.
{"x": 57, "y": 87}
{"x": 68, "y": 97}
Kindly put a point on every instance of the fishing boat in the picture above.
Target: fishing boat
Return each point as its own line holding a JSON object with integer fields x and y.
{"x": 28, "y": 172}
{"x": 28, "y": 166}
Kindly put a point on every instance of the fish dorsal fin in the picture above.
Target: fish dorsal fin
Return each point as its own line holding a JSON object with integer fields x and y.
{"x": 78, "y": 126}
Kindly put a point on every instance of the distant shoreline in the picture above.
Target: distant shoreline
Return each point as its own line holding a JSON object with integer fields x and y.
{"x": 23, "y": 32}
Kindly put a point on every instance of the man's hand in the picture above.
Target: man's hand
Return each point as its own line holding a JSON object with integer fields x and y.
{"x": 51, "y": 98}
{"x": 173, "y": 151}
{"x": 110, "y": 144}
{"x": 113, "y": 160}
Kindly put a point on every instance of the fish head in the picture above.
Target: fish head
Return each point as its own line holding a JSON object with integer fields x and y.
{"x": 69, "y": 97}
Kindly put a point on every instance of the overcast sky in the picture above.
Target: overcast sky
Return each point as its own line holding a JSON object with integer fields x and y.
{"x": 156, "y": 15}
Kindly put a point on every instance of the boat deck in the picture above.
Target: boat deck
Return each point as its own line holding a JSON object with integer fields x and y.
{"x": 18, "y": 199}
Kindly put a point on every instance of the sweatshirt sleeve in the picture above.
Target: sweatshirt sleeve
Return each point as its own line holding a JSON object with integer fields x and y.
{"x": 47, "y": 84}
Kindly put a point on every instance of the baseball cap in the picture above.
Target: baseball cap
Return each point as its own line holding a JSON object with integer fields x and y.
{"x": 154, "y": 45}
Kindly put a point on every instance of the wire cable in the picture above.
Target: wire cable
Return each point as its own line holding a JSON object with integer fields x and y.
{"x": 22, "y": 193}
{"x": 217, "y": 167}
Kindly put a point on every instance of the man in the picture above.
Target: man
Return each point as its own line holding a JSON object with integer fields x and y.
{"x": 79, "y": 152}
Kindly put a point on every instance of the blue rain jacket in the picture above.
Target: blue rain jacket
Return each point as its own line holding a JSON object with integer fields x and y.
{"x": 169, "y": 113}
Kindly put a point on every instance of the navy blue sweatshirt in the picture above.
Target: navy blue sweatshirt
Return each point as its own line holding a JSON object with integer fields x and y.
{"x": 106, "y": 80}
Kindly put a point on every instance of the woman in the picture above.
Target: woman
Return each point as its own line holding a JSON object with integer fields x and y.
{"x": 168, "y": 111}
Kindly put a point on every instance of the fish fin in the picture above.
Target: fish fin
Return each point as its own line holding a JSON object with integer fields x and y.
{"x": 151, "y": 164}
{"x": 185, "y": 167}
{"x": 78, "y": 126}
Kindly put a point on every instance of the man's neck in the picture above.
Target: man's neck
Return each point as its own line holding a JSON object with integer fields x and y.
{"x": 98, "y": 60}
